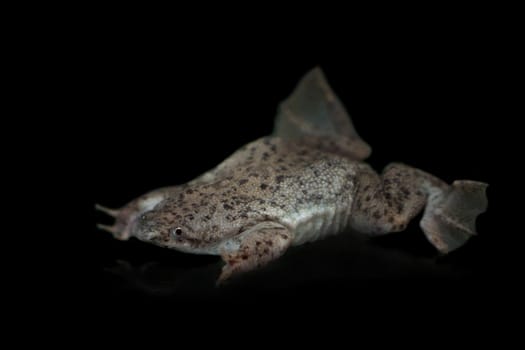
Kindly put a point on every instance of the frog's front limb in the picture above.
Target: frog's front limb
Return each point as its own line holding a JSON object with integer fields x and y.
{"x": 254, "y": 248}
{"x": 388, "y": 202}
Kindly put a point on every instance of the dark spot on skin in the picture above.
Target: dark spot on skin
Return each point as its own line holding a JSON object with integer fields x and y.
{"x": 367, "y": 199}
{"x": 273, "y": 148}
{"x": 390, "y": 219}
{"x": 279, "y": 178}
{"x": 367, "y": 187}
{"x": 377, "y": 214}
{"x": 244, "y": 257}
{"x": 264, "y": 186}
{"x": 189, "y": 191}
{"x": 316, "y": 172}
{"x": 266, "y": 250}
{"x": 257, "y": 243}
{"x": 227, "y": 207}
{"x": 243, "y": 181}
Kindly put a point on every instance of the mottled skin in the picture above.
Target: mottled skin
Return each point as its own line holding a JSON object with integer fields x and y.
{"x": 304, "y": 182}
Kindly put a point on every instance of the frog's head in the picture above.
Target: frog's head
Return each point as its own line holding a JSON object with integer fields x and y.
{"x": 167, "y": 230}
{"x": 194, "y": 231}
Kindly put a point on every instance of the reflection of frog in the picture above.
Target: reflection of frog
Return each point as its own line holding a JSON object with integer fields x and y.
{"x": 302, "y": 183}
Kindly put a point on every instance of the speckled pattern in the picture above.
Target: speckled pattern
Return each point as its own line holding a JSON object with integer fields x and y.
{"x": 304, "y": 182}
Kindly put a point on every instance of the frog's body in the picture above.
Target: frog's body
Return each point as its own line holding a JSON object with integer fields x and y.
{"x": 304, "y": 182}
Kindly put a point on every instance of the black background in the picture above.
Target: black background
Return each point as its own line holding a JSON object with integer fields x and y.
{"x": 151, "y": 107}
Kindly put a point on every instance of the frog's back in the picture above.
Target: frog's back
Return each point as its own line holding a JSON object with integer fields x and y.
{"x": 303, "y": 186}
{"x": 313, "y": 192}
{"x": 305, "y": 174}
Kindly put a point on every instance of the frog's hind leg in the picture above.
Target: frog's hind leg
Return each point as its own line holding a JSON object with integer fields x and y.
{"x": 388, "y": 202}
{"x": 314, "y": 114}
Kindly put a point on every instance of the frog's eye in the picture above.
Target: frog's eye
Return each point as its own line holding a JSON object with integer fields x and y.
{"x": 177, "y": 232}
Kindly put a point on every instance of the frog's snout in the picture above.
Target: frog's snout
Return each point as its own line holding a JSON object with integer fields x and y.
{"x": 145, "y": 228}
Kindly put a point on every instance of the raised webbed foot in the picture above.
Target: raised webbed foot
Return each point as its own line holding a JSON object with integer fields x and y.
{"x": 450, "y": 217}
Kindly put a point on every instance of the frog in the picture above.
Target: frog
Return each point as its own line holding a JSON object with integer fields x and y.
{"x": 305, "y": 181}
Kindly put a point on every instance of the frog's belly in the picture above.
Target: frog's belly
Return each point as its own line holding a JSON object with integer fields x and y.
{"x": 318, "y": 222}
